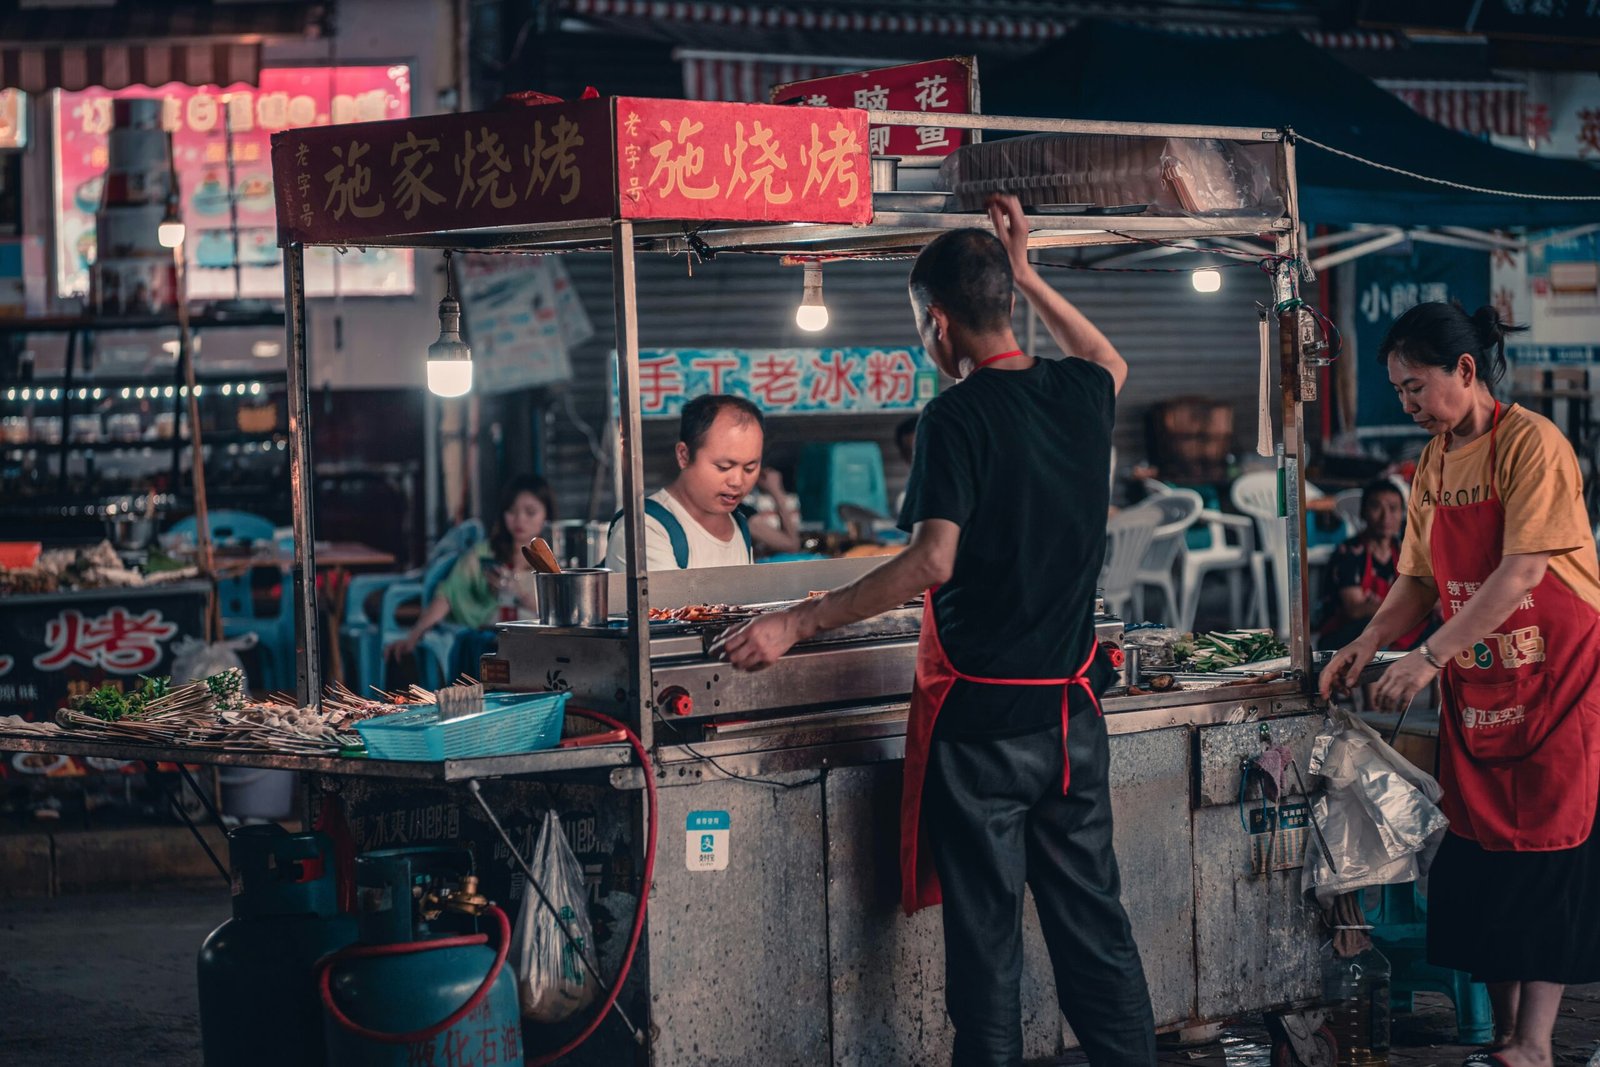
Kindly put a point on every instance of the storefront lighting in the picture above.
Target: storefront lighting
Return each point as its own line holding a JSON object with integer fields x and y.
{"x": 255, "y": 388}
{"x": 97, "y": 393}
{"x": 126, "y": 392}
{"x": 449, "y": 358}
{"x": 139, "y": 392}
{"x": 55, "y": 394}
{"x": 266, "y": 349}
{"x": 171, "y": 232}
{"x": 11, "y": 394}
{"x": 1206, "y": 280}
{"x": 227, "y": 388}
{"x": 812, "y": 314}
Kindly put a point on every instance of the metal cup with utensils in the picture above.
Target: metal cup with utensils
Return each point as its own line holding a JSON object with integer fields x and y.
{"x": 573, "y": 598}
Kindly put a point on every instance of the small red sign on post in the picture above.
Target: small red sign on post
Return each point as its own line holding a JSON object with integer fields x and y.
{"x": 938, "y": 85}
{"x": 680, "y": 159}
{"x": 522, "y": 166}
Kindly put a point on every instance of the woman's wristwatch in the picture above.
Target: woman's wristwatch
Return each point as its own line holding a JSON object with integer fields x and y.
{"x": 1429, "y": 657}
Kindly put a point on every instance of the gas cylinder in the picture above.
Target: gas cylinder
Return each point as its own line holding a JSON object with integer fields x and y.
{"x": 423, "y": 985}
{"x": 258, "y": 1004}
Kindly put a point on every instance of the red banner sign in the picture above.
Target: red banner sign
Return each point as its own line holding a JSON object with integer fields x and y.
{"x": 938, "y": 85}
{"x": 681, "y": 159}
{"x": 523, "y": 166}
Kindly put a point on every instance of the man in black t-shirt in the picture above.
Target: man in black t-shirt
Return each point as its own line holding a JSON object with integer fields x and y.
{"x": 1006, "y": 753}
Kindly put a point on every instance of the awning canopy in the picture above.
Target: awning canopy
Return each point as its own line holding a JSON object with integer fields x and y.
{"x": 196, "y": 42}
{"x": 1108, "y": 71}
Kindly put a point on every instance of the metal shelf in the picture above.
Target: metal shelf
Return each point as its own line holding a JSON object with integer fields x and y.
{"x": 549, "y": 761}
{"x": 163, "y": 444}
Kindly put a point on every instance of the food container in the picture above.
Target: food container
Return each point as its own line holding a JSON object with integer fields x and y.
{"x": 508, "y": 723}
{"x": 85, "y": 428}
{"x": 123, "y": 426}
{"x": 262, "y": 419}
{"x": 573, "y": 598}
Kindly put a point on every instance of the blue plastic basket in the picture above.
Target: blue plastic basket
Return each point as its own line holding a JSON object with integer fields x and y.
{"x": 509, "y": 723}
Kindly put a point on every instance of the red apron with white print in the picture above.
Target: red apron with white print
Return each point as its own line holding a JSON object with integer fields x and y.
{"x": 1519, "y": 736}
{"x": 936, "y": 676}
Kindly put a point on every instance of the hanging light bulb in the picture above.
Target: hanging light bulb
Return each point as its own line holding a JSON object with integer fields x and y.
{"x": 812, "y": 314}
{"x": 172, "y": 231}
{"x": 449, "y": 358}
{"x": 1206, "y": 280}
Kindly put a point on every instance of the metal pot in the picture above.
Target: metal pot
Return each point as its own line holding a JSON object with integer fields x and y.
{"x": 885, "y": 173}
{"x": 573, "y": 598}
{"x": 579, "y": 544}
{"x": 129, "y": 533}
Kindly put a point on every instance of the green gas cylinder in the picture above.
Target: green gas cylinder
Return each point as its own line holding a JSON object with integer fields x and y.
{"x": 423, "y": 985}
{"x": 258, "y": 1004}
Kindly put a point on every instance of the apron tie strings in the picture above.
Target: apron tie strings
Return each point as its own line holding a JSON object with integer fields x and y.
{"x": 1079, "y": 678}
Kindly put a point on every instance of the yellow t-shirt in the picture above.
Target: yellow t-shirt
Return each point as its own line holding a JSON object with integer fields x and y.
{"x": 1540, "y": 487}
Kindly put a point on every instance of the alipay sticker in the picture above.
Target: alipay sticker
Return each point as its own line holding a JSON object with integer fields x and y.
{"x": 706, "y": 841}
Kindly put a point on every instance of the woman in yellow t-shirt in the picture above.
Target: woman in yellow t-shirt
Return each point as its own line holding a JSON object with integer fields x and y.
{"x": 1498, "y": 536}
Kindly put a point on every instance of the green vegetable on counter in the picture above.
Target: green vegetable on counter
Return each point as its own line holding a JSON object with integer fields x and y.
{"x": 110, "y": 703}
{"x": 1230, "y": 648}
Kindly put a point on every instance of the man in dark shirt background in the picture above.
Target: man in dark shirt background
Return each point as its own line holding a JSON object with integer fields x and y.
{"x": 1006, "y": 752}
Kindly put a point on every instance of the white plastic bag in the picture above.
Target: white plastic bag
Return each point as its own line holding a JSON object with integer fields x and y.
{"x": 552, "y": 981}
{"x": 1379, "y": 814}
{"x": 193, "y": 659}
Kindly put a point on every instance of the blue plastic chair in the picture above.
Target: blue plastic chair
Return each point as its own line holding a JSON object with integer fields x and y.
{"x": 236, "y": 597}
{"x": 362, "y": 632}
{"x": 437, "y": 654}
{"x": 840, "y": 472}
{"x": 1399, "y": 921}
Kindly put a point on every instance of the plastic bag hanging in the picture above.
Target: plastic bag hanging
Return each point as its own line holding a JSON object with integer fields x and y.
{"x": 1264, "y": 389}
{"x": 552, "y": 980}
{"x": 1379, "y": 814}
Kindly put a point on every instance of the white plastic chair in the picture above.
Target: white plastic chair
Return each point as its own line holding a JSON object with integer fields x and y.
{"x": 1128, "y": 537}
{"x": 1179, "y": 509}
{"x": 1256, "y": 495}
{"x": 1230, "y": 551}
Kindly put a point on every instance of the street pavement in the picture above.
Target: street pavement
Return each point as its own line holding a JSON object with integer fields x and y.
{"x": 109, "y": 979}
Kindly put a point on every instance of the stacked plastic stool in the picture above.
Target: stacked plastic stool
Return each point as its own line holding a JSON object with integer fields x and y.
{"x": 1399, "y": 919}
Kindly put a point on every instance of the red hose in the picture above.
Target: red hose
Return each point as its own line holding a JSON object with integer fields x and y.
{"x": 354, "y": 952}
{"x": 644, "y": 891}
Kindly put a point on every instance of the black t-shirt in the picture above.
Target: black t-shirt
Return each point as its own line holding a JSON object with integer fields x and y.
{"x": 1021, "y": 461}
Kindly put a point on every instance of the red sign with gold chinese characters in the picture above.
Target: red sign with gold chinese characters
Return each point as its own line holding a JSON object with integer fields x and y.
{"x": 520, "y": 166}
{"x": 680, "y": 159}
{"x": 949, "y": 86}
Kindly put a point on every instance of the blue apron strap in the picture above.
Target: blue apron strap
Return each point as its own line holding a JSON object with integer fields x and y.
{"x": 741, "y": 519}
{"x": 655, "y": 509}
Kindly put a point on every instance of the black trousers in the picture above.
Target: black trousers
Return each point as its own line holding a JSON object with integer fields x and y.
{"x": 996, "y": 818}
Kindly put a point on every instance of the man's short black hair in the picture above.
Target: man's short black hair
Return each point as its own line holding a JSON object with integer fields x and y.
{"x": 967, "y": 273}
{"x": 698, "y": 415}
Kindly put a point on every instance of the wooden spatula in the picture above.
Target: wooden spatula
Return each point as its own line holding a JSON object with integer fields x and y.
{"x": 538, "y": 554}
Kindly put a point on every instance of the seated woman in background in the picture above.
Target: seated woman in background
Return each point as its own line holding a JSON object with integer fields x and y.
{"x": 491, "y": 582}
{"x": 1362, "y": 570}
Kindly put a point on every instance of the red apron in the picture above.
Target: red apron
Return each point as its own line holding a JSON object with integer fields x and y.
{"x": 936, "y": 676}
{"x": 1519, "y": 740}
{"x": 1379, "y": 586}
